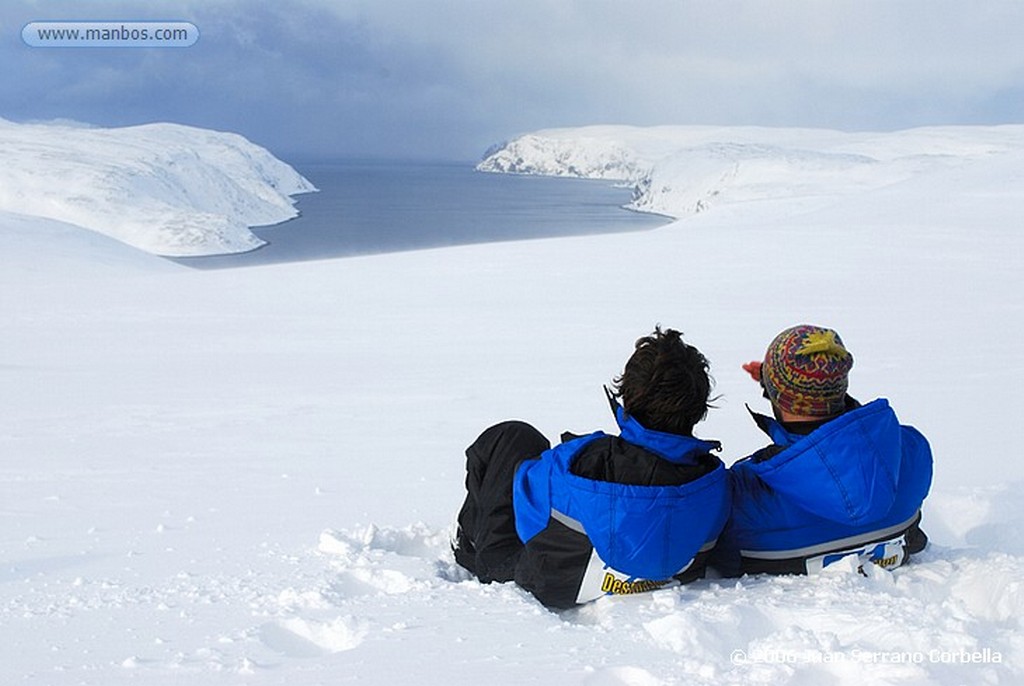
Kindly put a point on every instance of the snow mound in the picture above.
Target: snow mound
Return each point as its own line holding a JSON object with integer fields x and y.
{"x": 681, "y": 171}
{"x": 164, "y": 188}
{"x": 950, "y": 616}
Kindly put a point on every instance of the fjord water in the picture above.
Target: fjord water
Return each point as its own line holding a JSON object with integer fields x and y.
{"x": 375, "y": 207}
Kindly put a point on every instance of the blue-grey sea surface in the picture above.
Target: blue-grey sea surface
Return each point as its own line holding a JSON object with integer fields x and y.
{"x": 376, "y": 207}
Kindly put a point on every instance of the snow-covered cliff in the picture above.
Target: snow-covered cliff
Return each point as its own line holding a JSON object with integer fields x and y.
{"x": 164, "y": 188}
{"x": 682, "y": 170}
{"x": 548, "y": 153}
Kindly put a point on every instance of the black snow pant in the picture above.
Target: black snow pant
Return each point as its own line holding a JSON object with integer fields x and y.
{"x": 486, "y": 543}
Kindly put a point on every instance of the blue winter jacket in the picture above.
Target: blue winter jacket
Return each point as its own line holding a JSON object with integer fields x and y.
{"x": 642, "y": 532}
{"x": 855, "y": 485}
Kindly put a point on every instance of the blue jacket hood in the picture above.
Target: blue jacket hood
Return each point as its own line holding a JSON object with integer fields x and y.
{"x": 672, "y": 447}
{"x": 648, "y": 532}
{"x": 846, "y": 471}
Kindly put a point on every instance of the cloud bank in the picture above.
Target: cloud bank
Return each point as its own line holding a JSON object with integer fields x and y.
{"x": 444, "y": 80}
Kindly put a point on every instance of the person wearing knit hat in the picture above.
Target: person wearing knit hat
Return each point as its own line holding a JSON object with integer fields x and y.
{"x": 839, "y": 479}
{"x": 805, "y": 372}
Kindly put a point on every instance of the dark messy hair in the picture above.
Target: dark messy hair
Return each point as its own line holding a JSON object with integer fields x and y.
{"x": 665, "y": 385}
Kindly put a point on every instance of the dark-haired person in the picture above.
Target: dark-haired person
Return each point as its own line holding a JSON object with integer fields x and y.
{"x": 601, "y": 514}
{"x": 840, "y": 479}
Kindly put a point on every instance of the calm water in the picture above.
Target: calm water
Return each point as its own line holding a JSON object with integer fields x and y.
{"x": 375, "y": 207}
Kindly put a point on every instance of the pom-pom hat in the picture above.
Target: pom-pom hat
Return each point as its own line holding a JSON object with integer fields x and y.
{"x": 805, "y": 371}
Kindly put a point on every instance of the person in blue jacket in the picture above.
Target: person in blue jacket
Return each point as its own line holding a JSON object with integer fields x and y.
{"x": 601, "y": 514}
{"x": 839, "y": 478}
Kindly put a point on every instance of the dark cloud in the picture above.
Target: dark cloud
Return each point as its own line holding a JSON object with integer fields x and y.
{"x": 444, "y": 80}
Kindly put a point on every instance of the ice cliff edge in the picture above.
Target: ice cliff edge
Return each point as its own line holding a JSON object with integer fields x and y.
{"x": 166, "y": 189}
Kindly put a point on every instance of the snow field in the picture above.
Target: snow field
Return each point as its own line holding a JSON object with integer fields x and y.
{"x": 247, "y": 476}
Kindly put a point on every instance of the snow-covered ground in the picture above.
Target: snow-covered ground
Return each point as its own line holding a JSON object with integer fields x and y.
{"x": 247, "y": 476}
{"x": 682, "y": 170}
{"x": 164, "y": 188}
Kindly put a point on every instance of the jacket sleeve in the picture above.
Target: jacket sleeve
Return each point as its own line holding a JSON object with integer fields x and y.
{"x": 748, "y": 495}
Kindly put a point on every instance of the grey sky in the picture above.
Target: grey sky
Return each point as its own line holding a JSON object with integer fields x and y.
{"x": 404, "y": 78}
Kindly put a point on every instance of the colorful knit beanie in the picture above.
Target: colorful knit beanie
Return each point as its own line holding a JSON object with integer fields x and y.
{"x": 805, "y": 371}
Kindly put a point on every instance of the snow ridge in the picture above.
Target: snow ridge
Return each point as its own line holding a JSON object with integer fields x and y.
{"x": 681, "y": 170}
{"x": 164, "y": 188}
